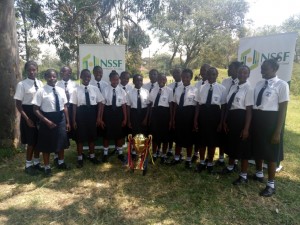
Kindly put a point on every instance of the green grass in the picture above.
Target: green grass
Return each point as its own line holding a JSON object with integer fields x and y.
{"x": 110, "y": 194}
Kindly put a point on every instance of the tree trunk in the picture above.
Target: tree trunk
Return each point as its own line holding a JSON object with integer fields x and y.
{"x": 10, "y": 74}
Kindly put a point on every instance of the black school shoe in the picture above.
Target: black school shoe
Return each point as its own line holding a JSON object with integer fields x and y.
{"x": 121, "y": 158}
{"x": 48, "y": 172}
{"x": 259, "y": 179}
{"x": 94, "y": 160}
{"x": 225, "y": 171}
{"x": 169, "y": 154}
{"x": 31, "y": 171}
{"x": 38, "y": 167}
{"x": 240, "y": 181}
{"x": 188, "y": 165}
{"x": 200, "y": 167}
{"x": 220, "y": 163}
{"x": 210, "y": 169}
{"x": 105, "y": 158}
{"x": 267, "y": 192}
{"x": 63, "y": 166}
{"x": 195, "y": 158}
{"x": 163, "y": 160}
{"x": 173, "y": 162}
{"x": 79, "y": 163}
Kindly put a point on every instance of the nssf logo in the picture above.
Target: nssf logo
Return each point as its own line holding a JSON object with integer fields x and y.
{"x": 91, "y": 61}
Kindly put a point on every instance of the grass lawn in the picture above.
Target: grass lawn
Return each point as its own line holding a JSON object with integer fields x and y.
{"x": 109, "y": 194}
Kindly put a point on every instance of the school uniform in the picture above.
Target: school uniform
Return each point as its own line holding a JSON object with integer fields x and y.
{"x": 184, "y": 98}
{"x": 138, "y": 113}
{"x": 86, "y": 98}
{"x": 264, "y": 119}
{"x": 199, "y": 83}
{"x": 69, "y": 87}
{"x": 101, "y": 85}
{"x": 113, "y": 112}
{"x": 239, "y": 97}
{"x": 52, "y": 139}
{"x": 25, "y": 92}
{"x": 228, "y": 83}
{"x": 210, "y": 98}
{"x": 126, "y": 88}
{"x": 160, "y": 98}
{"x": 173, "y": 86}
{"x": 149, "y": 86}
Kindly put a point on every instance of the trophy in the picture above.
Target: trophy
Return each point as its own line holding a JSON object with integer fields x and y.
{"x": 141, "y": 145}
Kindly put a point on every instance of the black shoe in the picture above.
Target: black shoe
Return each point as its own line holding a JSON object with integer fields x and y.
{"x": 79, "y": 163}
{"x": 105, "y": 158}
{"x": 154, "y": 157}
{"x": 31, "y": 171}
{"x": 174, "y": 162}
{"x": 121, "y": 158}
{"x": 38, "y": 167}
{"x": 195, "y": 158}
{"x": 181, "y": 157}
{"x": 94, "y": 160}
{"x": 63, "y": 166}
{"x": 169, "y": 154}
{"x": 188, "y": 164}
{"x": 220, "y": 163}
{"x": 225, "y": 171}
{"x": 236, "y": 168}
{"x": 163, "y": 160}
{"x": 200, "y": 167}
{"x": 267, "y": 192}
{"x": 134, "y": 156}
{"x": 240, "y": 181}
{"x": 48, "y": 172}
{"x": 259, "y": 179}
{"x": 55, "y": 161}
{"x": 84, "y": 157}
{"x": 210, "y": 169}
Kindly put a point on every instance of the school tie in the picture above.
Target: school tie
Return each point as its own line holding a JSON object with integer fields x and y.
{"x": 98, "y": 84}
{"x": 174, "y": 89}
{"x": 67, "y": 91}
{"x": 152, "y": 85}
{"x": 114, "y": 100}
{"x": 157, "y": 98}
{"x": 35, "y": 85}
{"x": 139, "y": 102}
{"x": 209, "y": 95}
{"x": 87, "y": 97}
{"x": 56, "y": 100}
{"x": 229, "y": 104}
{"x": 260, "y": 94}
{"x": 203, "y": 82}
{"x": 181, "y": 101}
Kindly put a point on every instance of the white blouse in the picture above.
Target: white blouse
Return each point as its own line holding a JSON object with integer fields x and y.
{"x": 26, "y": 90}
{"x": 166, "y": 96}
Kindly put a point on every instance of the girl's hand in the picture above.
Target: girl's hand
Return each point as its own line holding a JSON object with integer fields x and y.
{"x": 30, "y": 123}
{"x": 51, "y": 125}
{"x": 275, "y": 138}
{"x": 98, "y": 122}
{"x": 68, "y": 127}
{"x": 244, "y": 134}
{"x": 225, "y": 127}
{"x": 102, "y": 124}
{"x": 74, "y": 125}
{"x": 196, "y": 125}
{"x": 144, "y": 123}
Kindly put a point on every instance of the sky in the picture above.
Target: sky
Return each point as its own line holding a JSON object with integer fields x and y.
{"x": 261, "y": 12}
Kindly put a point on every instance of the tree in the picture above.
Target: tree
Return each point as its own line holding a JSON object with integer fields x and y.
{"x": 30, "y": 15}
{"x": 9, "y": 67}
{"x": 188, "y": 24}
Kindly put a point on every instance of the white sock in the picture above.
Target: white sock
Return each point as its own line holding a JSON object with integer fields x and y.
{"x": 230, "y": 167}
{"x": 170, "y": 150}
{"x": 210, "y": 164}
{"x": 236, "y": 161}
{"x": 47, "y": 167}
{"x": 55, "y": 156}
{"x": 259, "y": 174}
{"x": 188, "y": 159}
{"x": 36, "y": 161}
{"x": 92, "y": 155}
{"x": 271, "y": 183}
{"x": 79, "y": 157}
{"x": 202, "y": 162}
{"x": 120, "y": 150}
{"x": 176, "y": 157}
{"x": 133, "y": 152}
{"x": 243, "y": 175}
{"x": 105, "y": 151}
{"x": 61, "y": 161}
{"x": 28, "y": 163}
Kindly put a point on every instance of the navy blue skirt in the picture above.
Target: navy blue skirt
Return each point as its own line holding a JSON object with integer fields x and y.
{"x": 235, "y": 147}
{"x": 54, "y": 139}
{"x": 184, "y": 124}
{"x": 29, "y": 135}
{"x": 263, "y": 126}
{"x": 208, "y": 121}
{"x": 136, "y": 119}
{"x": 160, "y": 119}
{"x": 86, "y": 117}
{"x": 113, "y": 123}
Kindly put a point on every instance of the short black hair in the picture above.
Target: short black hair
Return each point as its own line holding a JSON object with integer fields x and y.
{"x": 84, "y": 71}
{"x": 135, "y": 76}
{"x": 245, "y": 66}
{"x": 97, "y": 68}
{"x": 29, "y": 63}
{"x": 113, "y": 73}
{"x": 212, "y": 69}
{"x": 236, "y": 64}
{"x": 273, "y": 62}
{"x": 188, "y": 71}
{"x": 49, "y": 71}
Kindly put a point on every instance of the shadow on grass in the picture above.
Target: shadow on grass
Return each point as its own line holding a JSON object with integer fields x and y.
{"x": 110, "y": 194}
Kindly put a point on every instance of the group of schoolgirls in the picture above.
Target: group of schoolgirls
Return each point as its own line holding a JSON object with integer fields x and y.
{"x": 244, "y": 123}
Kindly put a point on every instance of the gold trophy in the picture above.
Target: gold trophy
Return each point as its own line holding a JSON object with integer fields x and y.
{"x": 141, "y": 145}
